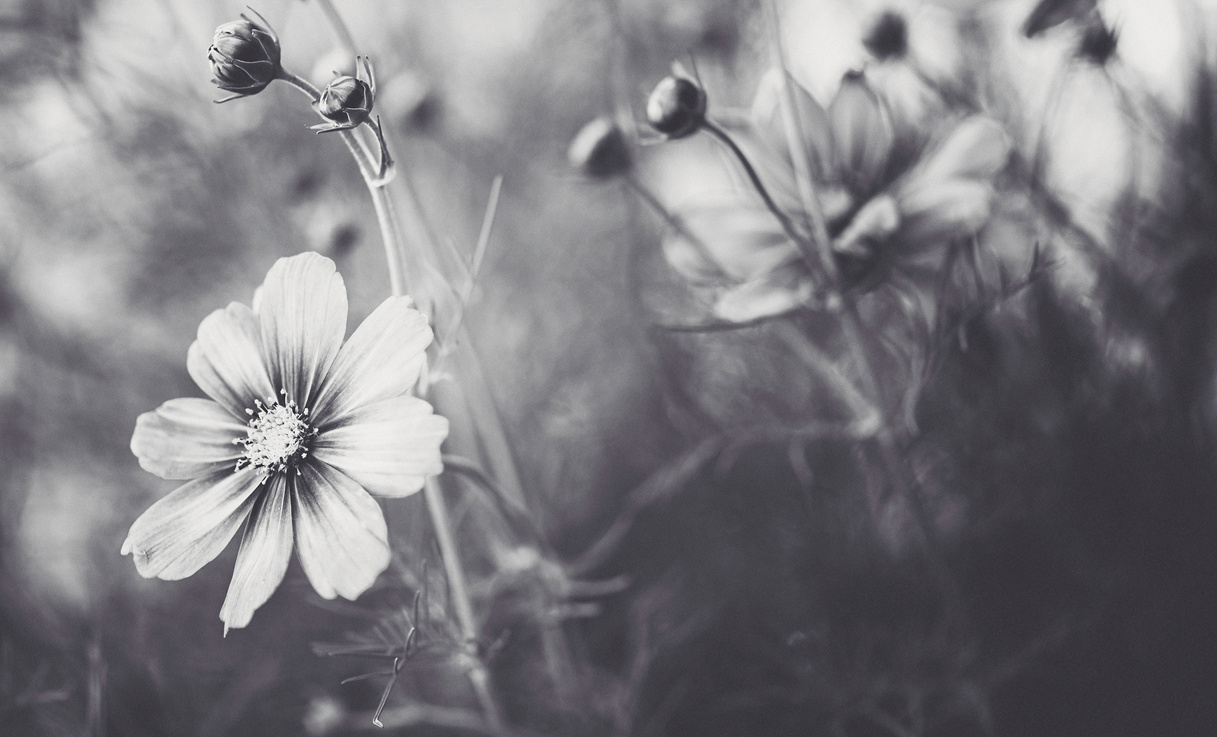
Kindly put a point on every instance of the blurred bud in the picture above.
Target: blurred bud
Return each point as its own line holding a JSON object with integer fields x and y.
{"x": 1098, "y": 42}
{"x": 599, "y": 149}
{"x": 346, "y": 101}
{"x": 1052, "y": 13}
{"x": 677, "y": 107}
{"x": 244, "y": 56}
{"x": 888, "y": 37}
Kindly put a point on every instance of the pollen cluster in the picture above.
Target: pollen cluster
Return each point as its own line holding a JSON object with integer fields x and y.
{"x": 277, "y": 438}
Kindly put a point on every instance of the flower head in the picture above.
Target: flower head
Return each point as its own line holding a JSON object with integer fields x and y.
{"x": 299, "y": 429}
{"x": 877, "y": 211}
{"x": 347, "y": 101}
{"x": 244, "y": 57}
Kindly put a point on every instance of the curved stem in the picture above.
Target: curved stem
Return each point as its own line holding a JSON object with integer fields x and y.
{"x": 785, "y": 221}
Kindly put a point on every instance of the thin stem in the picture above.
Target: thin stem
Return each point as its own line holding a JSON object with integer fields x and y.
{"x": 436, "y": 506}
{"x": 459, "y": 589}
{"x": 345, "y": 40}
{"x": 757, "y": 184}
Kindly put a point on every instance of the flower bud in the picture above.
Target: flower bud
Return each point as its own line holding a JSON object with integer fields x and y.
{"x": 1098, "y": 42}
{"x": 888, "y": 37}
{"x": 677, "y": 107}
{"x": 244, "y": 57}
{"x": 599, "y": 149}
{"x": 347, "y": 101}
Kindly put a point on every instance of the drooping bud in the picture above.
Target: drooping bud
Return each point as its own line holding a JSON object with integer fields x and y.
{"x": 599, "y": 149}
{"x": 347, "y": 100}
{"x": 676, "y": 107}
{"x": 888, "y": 37}
{"x": 244, "y": 56}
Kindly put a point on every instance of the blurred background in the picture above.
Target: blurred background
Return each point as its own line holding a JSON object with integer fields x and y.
{"x": 132, "y": 206}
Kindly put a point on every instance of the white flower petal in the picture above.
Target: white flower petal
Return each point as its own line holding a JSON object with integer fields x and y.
{"x": 812, "y": 120}
{"x": 941, "y": 212}
{"x": 774, "y": 294}
{"x": 226, "y": 361}
{"x": 381, "y": 360}
{"x": 262, "y": 560}
{"x": 862, "y": 132}
{"x": 740, "y": 239}
{"x": 976, "y": 148}
{"x": 341, "y": 536}
{"x": 303, "y": 311}
{"x": 189, "y": 527}
{"x": 186, "y": 439}
{"x": 387, "y": 447}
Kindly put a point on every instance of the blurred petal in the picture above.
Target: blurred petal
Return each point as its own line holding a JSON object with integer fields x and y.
{"x": 877, "y": 220}
{"x": 381, "y": 360}
{"x": 862, "y": 132}
{"x": 186, "y": 439}
{"x": 183, "y": 531}
{"x": 940, "y": 212}
{"x": 341, "y": 537}
{"x": 814, "y": 128}
{"x": 303, "y": 311}
{"x": 741, "y": 239}
{"x": 226, "y": 361}
{"x": 976, "y": 148}
{"x": 387, "y": 447}
{"x": 262, "y": 560}
{"x": 1051, "y": 13}
{"x": 769, "y": 296}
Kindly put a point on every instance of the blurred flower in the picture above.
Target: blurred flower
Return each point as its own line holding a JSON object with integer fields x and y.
{"x": 1098, "y": 42}
{"x": 300, "y": 428}
{"x": 1049, "y": 14}
{"x": 244, "y": 57}
{"x": 347, "y": 101}
{"x": 676, "y": 107}
{"x": 599, "y": 149}
{"x": 874, "y": 215}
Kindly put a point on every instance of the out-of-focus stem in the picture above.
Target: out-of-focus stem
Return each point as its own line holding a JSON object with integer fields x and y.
{"x": 459, "y": 592}
{"x": 345, "y": 40}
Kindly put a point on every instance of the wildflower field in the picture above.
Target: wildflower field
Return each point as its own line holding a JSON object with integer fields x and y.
{"x": 619, "y": 368}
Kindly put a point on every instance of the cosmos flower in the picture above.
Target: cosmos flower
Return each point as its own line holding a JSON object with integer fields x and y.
{"x": 299, "y": 430}
{"x": 879, "y": 211}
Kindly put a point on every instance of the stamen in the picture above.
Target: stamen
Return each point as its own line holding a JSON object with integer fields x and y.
{"x": 277, "y": 437}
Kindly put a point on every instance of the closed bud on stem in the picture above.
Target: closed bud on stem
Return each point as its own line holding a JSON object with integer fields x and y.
{"x": 347, "y": 101}
{"x": 244, "y": 56}
{"x": 599, "y": 149}
{"x": 677, "y": 107}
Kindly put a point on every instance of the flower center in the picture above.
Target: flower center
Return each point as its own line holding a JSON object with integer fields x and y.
{"x": 278, "y": 436}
